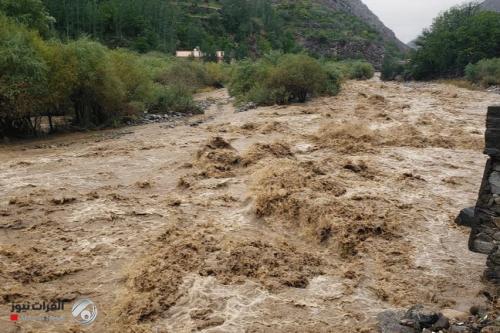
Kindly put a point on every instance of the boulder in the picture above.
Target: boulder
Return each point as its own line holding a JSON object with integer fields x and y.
{"x": 466, "y": 217}
{"x": 422, "y": 317}
{"x": 389, "y": 322}
{"x": 459, "y": 329}
{"x": 442, "y": 323}
{"x": 493, "y": 131}
{"x": 495, "y": 182}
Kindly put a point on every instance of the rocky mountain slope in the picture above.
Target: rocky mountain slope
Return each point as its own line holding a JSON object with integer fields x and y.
{"x": 242, "y": 28}
{"x": 491, "y": 5}
{"x": 338, "y": 29}
{"x": 360, "y": 10}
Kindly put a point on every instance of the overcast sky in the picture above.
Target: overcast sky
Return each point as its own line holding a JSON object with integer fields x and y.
{"x": 407, "y": 18}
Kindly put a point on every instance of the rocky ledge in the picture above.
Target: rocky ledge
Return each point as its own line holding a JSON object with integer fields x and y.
{"x": 484, "y": 218}
{"x": 171, "y": 117}
{"x": 419, "y": 319}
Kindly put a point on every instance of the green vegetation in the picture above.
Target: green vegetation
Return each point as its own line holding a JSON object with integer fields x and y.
{"x": 393, "y": 68}
{"x": 86, "y": 84}
{"x": 353, "y": 69}
{"x": 329, "y": 26}
{"x": 458, "y": 37}
{"x": 281, "y": 79}
{"x": 89, "y": 64}
{"x": 485, "y": 73}
{"x": 241, "y": 28}
{"x": 462, "y": 44}
{"x": 31, "y": 13}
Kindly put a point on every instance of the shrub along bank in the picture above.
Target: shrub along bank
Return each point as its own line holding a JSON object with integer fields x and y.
{"x": 46, "y": 85}
{"x": 86, "y": 83}
{"x": 282, "y": 79}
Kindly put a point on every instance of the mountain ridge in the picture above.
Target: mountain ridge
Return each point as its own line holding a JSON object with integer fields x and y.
{"x": 359, "y": 9}
{"x": 366, "y": 35}
{"x": 493, "y": 5}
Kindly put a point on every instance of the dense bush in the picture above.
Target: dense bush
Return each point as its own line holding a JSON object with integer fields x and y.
{"x": 23, "y": 78}
{"x": 87, "y": 85}
{"x": 486, "y": 72}
{"x": 334, "y": 79}
{"x": 173, "y": 98}
{"x": 98, "y": 94}
{"x": 296, "y": 77}
{"x": 249, "y": 81}
{"x": 219, "y": 73}
{"x": 361, "y": 70}
{"x": 393, "y": 69}
{"x": 189, "y": 74}
{"x": 459, "y": 36}
{"x": 31, "y": 13}
{"x": 282, "y": 79}
{"x": 353, "y": 69}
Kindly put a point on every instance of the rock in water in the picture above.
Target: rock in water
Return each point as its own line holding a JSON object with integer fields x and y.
{"x": 495, "y": 182}
{"x": 422, "y": 317}
{"x": 466, "y": 217}
{"x": 389, "y": 322}
{"x": 442, "y": 323}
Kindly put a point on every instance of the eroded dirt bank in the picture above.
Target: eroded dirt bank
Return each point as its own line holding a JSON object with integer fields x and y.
{"x": 305, "y": 218}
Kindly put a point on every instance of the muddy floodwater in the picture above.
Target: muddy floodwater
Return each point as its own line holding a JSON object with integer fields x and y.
{"x": 303, "y": 218}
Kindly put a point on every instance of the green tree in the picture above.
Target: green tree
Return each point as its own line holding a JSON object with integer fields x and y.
{"x": 297, "y": 77}
{"x": 62, "y": 78}
{"x": 31, "y": 13}
{"x": 23, "y": 78}
{"x": 486, "y": 72}
{"x": 460, "y": 36}
{"x": 278, "y": 78}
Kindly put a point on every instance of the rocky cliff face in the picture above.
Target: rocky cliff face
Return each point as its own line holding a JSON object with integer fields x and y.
{"x": 491, "y": 5}
{"x": 339, "y": 29}
{"x": 360, "y": 10}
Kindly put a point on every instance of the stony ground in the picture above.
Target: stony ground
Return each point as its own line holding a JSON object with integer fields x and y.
{"x": 304, "y": 218}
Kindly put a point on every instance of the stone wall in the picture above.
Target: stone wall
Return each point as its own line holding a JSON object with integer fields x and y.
{"x": 484, "y": 218}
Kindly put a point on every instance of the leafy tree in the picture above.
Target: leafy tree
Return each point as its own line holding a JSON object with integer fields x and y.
{"x": 99, "y": 93}
{"x": 486, "y": 72}
{"x": 297, "y": 77}
{"x": 31, "y": 13}
{"x": 22, "y": 79}
{"x": 282, "y": 79}
{"x": 353, "y": 69}
{"x": 61, "y": 80}
{"x": 393, "y": 68}
{"x": 251, "y": 27}
{"x": 460, "y": 36}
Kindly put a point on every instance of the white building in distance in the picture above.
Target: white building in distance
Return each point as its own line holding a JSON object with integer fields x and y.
{"x": 197, "y": 54}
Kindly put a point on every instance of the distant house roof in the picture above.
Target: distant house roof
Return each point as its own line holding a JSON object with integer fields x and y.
{"x": 196, "y": 53}
{"x": 184, "y": 54}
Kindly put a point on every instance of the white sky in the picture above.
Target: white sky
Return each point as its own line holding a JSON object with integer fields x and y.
{"x": 407, "y": 18}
